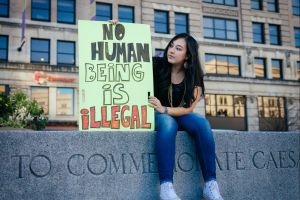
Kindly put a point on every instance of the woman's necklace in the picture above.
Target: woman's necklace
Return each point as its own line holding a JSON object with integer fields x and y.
{"x": 170, "y": 95}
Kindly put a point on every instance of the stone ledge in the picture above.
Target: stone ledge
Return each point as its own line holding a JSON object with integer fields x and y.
{"x": 38, "y": 66}
{"x": 122, "y": 165}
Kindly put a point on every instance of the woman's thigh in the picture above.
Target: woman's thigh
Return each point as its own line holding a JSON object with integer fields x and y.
{"x": 164, "y": 122}
{"x": 193, "y": 122}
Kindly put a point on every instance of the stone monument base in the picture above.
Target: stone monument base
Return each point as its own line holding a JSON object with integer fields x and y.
{"x": 122, "y": 165}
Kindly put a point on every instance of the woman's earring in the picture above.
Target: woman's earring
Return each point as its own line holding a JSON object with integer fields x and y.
{"x": 185, "y": 65}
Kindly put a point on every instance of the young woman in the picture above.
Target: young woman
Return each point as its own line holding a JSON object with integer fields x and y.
{"x": 178, "y": 87}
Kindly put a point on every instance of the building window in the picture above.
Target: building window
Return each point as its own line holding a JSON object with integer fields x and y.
{"x": 222, "y": 2}
{"x": 298, "y": 69}
{"x": 65, "y": 53}
{"x": 66, "y": 11}
{"x": 277, "y": 69}
{"x": 272, "y": 107}
{"x": 3, "y": 48}
{"x": 41, "y": 95}
{"x": 273, "y": 5}
{"x": 297, "y": 37}
{"x": 64, "y": 101}
{"x": 222, "y": 64}
{"x": 103, "y": 11}
{"x": 257, "y": 4}
{"x": 126, "y": 14}
{"x": 4, "y": 8}
{"x": 40, "y": 51}
{"x": 271, "y": 112}
{"x": 40, "y": 10}
{"x": 260, "y": 67}
{"x": 296, "y": 7}
{"x": 275, "y": 37}
{"x": 161, "y": 21}
{"x": 159, "y": 53}
{"x": 222, "y": 29}
{"x": 225, "y": 111}
{"x": 181, "y": 23}
{"x": 258, "y": 32}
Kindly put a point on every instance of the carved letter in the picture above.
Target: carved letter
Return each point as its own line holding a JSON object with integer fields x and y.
{"x": 113, "y": 163}
{"x": 96, "y": 163}
{"x": 188, "y": 159}
{"x": 76, "y": 163}
{"x": 254, "y": 162}
{"x": 37, "y": 172}
{"x": 20, "y": 164}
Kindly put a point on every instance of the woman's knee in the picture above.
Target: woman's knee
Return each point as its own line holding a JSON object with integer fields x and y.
{"x": 202, "y": 122}
{"x": 198, "y": 121}
{"x": 197, "y": 124}
{"x": 165, "y": 121}
{"x": 203, "y": 129}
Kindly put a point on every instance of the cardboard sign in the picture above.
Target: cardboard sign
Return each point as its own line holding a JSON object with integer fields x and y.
{"x": 115, "y": 76}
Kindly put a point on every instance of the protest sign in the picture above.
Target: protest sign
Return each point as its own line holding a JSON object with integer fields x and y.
{"x": 115, "y": 76}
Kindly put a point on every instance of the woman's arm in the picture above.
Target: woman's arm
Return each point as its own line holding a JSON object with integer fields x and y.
{"x": 176, "y": 111}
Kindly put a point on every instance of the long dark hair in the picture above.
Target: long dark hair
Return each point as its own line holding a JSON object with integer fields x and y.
{"x": 193, "y": 71}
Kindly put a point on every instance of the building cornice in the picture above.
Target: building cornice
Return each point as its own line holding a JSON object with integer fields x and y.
{"x": 231, "y": 44}
{"x": 12, "y": 22}
{"x": 38, "y": 67}
{"x": 249, "y": 80}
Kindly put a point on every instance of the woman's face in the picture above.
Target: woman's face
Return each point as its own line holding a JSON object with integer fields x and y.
{"x": 177, "y": 52}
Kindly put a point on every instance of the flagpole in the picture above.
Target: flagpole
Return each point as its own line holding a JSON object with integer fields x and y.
{"x": 23, "y": 25}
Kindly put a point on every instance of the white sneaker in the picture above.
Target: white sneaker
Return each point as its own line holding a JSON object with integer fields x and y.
{"x": 211, "y": 191}
{"x": 167, "y": 192}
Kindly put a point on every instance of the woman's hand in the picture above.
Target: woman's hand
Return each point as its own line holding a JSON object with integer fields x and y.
{"x": 155, "y": 103}
{"x": 114, "y": 21}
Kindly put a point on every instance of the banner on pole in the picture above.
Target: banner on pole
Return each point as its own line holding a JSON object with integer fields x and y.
{"x": 115, "y": 76}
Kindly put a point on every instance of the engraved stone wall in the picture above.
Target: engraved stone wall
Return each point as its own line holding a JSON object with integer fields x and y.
{"x": 121, "y": 166}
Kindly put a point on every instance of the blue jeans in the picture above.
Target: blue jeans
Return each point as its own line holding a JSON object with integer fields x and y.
{"x": 199, "y": 128}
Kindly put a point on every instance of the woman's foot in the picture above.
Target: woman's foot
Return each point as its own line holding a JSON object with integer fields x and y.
{"x": 211, "y": 191}
{"x": 167, "y": 192}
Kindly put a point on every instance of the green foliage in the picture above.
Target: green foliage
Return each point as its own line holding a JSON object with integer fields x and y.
{"x": 18, "y": 111}
{"x": 34, "y": 109}
{"x": 6, "y": 107}
{"x": 10, "y": 123}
